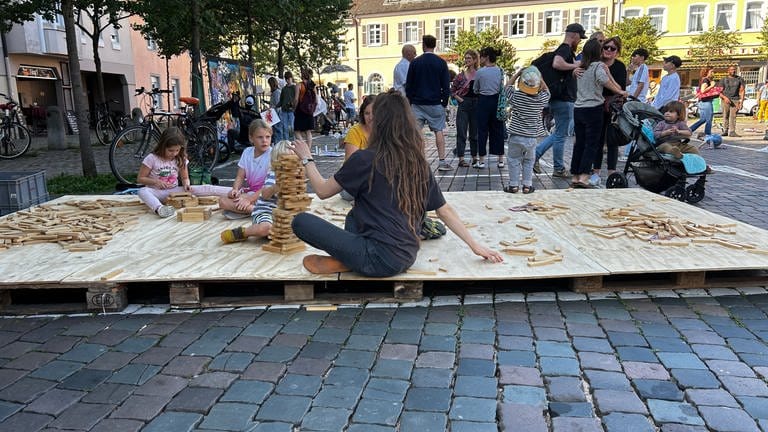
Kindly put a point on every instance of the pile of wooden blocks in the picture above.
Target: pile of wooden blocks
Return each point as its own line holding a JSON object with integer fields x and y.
{"x": 292, "y": 199}
{"x": 182, "y": 199}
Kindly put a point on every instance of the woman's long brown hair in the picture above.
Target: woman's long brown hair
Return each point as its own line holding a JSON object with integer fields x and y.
{"x": 170, "y": 137}
{"x": 399, "y": 148}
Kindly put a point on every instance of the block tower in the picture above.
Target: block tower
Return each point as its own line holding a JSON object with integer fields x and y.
{"x": 292, "y": 199}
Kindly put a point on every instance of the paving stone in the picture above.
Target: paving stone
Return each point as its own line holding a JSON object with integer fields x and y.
{"x": 24, "y": 421}
{"x": 347, "y": 376}
{"x": 436, "y": 359}
{"x": 713, "y": 397}
{"x": 640, "y": 370}
{"x": 482, "y": 387}
{"x": 554, "y": 349}
{"x": 243, "y": 343}
{"x": 703, "y": 337}
{"x": 592, "y": 345}
{"x": 757, "y": 407}
{"x": 639, "y": 354}
{"x": 674, "y": 412}
{"x": 730, "y": 368}
{"x": 331, "y": 335}
{"x": 673, "y": 360}
{"x": 745, "y": 386}
{"x": 386, "y": 389}
{"x": 559, "y": 366}
{"x": 124, "y": 425}
{"x": 517, "y": 358}
{"x": 479, "y": 351}
{"x": 83, "y": 416}
{"x": 431, "y": 377}
{"x": 8, "y": 377}
{"x": 462, "y": 426}
{"x": 398, "y": 352}
{"x": 264, "y": 371}
{"x": 403, "y": 336}
{"x": 85, "y": 379}
{"x": 336, "y": 396}
{"x": 607, "y": 380}
{"x": 30, "y": 361}
{"x": 231, "y": 362}
{"x": 609, "y": 401}
{"x": 428, "y": 399}
{"x": 520, "y": 375}
{"x": 84, "y": 353}
{"x": 567, "y": 424}
{"x": 668, "y": 344}
{"x": 109, "y": 393}
{"x": 606, "y": 362}
{"x": 476, "y": 367}
{"x": 272, "y": 427}
{"x": 326, "y": 419}
{"x": 186, "y": 366}
{"x": 566, "y": 389}
{"x": 551, "y": 334}
{"x": 518, "y": 417}
{"x": 621, "y": 422}
{"x": 247, "y": 391}
{"x": 571, "y": 409}
{"x": 231, "y": 416}
{"x": 299, "y": 385}
{"x": 727, "y": 419}
{"x": 136, "y": 345}
{"x": 363, "y": 427}
{"x": 437, "y": 343}
{"x": 173, "y": 421}
{"x": 7, "y": 409}
{"x": 509, "y": 328}
{"x": 693, "y": 378}
{"x": 585, "y": 330}
{"x": 525, "y": 395}
{"x": 626, "y": 339}
{"x": 284, "y": 408}
{"x": 480, "y": 337}
{"x": 309, "y": 366}
{"x": 281, "y": 353}
{"x": 515, "y": 343}
{"x": 655, "y": 389}
{"x": 377, "y": 412}
{"x": 302, "y": 327}
{"x": 370, "y": 328}
{"x": 135, "y": 374}
{"x": 195, "y": 399}
{"x": 54, "y": 401}
{"x": 112, "y": 361}
{"x": 754, "y": 360}
{"x": 716, "y": 352}
{"x": 16, "y": 349}
{"x": 364, "y": 342}
{"x": 57, "y": 370}
{"x": 473, "y": 409}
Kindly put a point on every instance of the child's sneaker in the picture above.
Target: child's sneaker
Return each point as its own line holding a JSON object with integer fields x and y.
{"x": 165, "y": 211}
{"x": 594, "y": 180}
{"x": 233, "y": 235}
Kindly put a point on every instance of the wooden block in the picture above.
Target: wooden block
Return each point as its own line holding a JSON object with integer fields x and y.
{"x": 299, "y": 291}
{"x": 409, "y": 290}
{"x": 193, "y": 214}
{"x": 690, "y": 279}
{"x": 110, "y": 298}
{"x": 208, "y": 200}
{"x": 284, "y": 249}
{"x": 587, "y": 284}
{"x": 185, "y": 294}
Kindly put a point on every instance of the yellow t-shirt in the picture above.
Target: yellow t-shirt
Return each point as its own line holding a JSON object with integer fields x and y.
{"x": 357, "y": 137}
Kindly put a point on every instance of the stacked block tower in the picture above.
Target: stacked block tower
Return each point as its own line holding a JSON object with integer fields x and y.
{"x": 292, "y": 199}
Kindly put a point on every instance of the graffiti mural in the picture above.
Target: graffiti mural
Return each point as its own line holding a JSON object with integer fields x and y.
{"x": 226, "y": 77}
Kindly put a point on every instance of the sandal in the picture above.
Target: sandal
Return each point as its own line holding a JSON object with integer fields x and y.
{"x": 463, "y": 164}
{"x": 513, "y": 189}
{"x": 234, "y": 235}
{"x": 528, "y": 189}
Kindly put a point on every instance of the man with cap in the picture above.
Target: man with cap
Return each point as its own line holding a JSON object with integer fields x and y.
{"x": 732, "y": 99}
{"x": 669, "y": 89}
{"x": 561, "y": 102}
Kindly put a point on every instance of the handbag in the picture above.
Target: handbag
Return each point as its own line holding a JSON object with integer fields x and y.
{"x": 501, "y": 106}
{"x": 710, "y": 92}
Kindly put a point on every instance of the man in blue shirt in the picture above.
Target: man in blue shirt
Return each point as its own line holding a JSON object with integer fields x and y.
{"x": 669, "y": 89}
{"x": 427, "y": 88}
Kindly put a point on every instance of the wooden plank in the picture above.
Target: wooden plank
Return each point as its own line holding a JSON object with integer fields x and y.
{"x": 690, "y": 279}
{"x": 299, "y": 291}
{"x": 587, "y": 284}
{"x": 109, "y": 298}
{"x": 409, "y": 290}
{"x": 185, "y": 294}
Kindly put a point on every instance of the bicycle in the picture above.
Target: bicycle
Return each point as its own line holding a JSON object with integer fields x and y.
{"x": 108, "y": 123}
{"x": 15, "y": 138}
{"x": 132, "y": 144}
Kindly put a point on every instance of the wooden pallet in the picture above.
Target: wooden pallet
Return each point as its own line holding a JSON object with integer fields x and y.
{"x": 671, "y": 280}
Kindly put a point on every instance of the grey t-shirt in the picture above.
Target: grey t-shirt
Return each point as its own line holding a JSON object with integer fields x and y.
{"x": 488, "y": 80}
{"x": 589, "y": 87}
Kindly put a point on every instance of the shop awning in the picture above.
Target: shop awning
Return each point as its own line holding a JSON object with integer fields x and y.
{"x": 37, "y": 72}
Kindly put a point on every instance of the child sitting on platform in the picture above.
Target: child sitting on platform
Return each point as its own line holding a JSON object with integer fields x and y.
{"x": 252, "y": 169}
{"x": 160, "y": 172}
{"x": 674, "y": 125}
{"x": 267, "y": 201}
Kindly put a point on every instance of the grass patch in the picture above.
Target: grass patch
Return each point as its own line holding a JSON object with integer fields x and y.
{"x": 68, "y": 184}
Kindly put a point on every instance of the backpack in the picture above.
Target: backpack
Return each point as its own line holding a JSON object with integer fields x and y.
{"x": 555, "y": 79}
{"x": 308, "y": 101}
{"x": 286, "y": 98}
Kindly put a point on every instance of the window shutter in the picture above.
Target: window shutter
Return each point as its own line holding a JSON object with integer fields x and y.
{"x": 603, "y": 14}
{"x": 459, "y": 25}
{"x": 529, "y": 24}
{"x": 400, "y": 33}
{"x": 577, "y": 15}
{"x": 437, "y": 34}
{"x": 384, "y": 34}
{"x": 472, "y": 24}
{"x": 505, "y": 25}
{"x": 421, "y": 30}
{"x": 495, "y": 21}
{"x": 365, "y": 36}
{"x": 540, "y": 23}
{"x": 564, "y": 22}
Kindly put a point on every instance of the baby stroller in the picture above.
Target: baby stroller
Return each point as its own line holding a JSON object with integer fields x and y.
{"x": 654, "y": 171}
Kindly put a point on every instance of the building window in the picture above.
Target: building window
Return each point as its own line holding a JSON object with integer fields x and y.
{"x": 589, "y": 18}
{"x": 58, "y": 19}
{"x": 374, "y": 34}
{"x": 151, "y": 45}
{"x": 697, "y": 18}
{"x": 724, "y": 17}
{"x": 448, "y": 27}
{"x": 552, "y": 22}
{"x": 632, "y": 13}
{"x": 342, "y": 50}
{"x": 114, "y": 37}
{"x": 154, "y": 81}
{"x": 411, "y": 32}
{"x": 482, "y": 23}
{"x": 657, "y": 17}
{"x": 517, "y": 25}
{"x": 176, "y": 93}
{"x": 375, "y": 84}
{"x": 754, "y": 17}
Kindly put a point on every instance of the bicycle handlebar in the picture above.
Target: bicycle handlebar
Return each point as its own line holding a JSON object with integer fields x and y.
{"x": 154, "y": 91}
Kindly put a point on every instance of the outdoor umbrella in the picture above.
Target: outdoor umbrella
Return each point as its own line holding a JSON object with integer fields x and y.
{"x": 336, "y": 68}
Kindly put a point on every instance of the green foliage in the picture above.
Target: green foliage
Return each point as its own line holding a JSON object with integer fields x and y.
{"x": 763, "y": 36}
{"x": 67, "y": 184}
{"x": 18, "y": 11}
{"x": 636, "y": 33}
{"x": 714, "y": 43}
{"x": 490, "y": 37}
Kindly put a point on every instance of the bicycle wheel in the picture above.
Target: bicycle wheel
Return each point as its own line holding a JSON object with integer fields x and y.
{"x": 14, "y": 141}
{"x": 128, "y": 150}
{"x": 105, "y": 130}
{"x": 205, "y": 151}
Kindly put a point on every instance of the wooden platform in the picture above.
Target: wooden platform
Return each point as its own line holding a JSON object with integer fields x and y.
{"x": 189, "y": 259}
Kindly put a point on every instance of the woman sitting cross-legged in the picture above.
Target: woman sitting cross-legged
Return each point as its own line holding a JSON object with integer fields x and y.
{"x": 393, "y": 188}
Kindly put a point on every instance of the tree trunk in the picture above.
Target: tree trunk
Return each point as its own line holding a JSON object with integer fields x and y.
{"x": 78, "y": 93}
{"x": 197, "y": 73}
{"x": 100, "y": 96}
{"x": 280, "y": 53}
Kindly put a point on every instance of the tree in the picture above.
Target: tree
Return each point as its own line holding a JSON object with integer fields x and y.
{"x": 713, "y": 43}
{"x": 763, "y": 36}
{"x": 636, "y": 33}
{"x": 19, "y": 11}
{"x": 490, "y": 37}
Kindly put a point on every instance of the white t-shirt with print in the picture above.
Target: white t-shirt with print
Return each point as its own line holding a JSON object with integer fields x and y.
{"x": 164, "y": 170}
{"x": 256, "y": 169}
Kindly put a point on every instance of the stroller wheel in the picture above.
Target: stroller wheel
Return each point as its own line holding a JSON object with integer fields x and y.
{"x": 616, "y": 180}
{"x": 694, "y": 193}
{"x": 676, "y": 192}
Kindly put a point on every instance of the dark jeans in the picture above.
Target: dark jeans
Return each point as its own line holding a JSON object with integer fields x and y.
{"x": 466, "y": 123}
{"x": 613, "y": 151}
{"x": 362, "y": 255}
{"x": 588, "y": 124}
{"x": 489, "y": 128}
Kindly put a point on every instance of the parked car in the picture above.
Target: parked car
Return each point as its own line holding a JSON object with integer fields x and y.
{"x": 749, "y": 107}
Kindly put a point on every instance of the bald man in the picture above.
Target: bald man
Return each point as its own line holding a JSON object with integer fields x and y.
{"x": 401, "y": 69}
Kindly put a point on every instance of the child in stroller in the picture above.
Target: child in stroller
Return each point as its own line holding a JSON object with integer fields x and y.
{"x": 662, "y": 163}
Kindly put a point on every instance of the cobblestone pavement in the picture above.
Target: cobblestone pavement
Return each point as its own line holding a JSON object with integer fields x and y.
{"x": 669, "y": 361}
